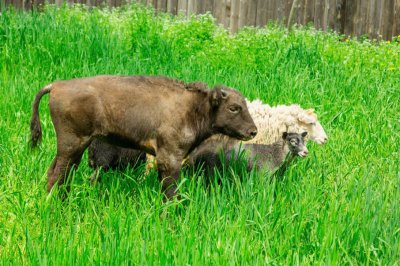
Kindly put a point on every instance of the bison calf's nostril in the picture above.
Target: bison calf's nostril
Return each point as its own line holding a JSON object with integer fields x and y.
{"x": 253, "y": 132}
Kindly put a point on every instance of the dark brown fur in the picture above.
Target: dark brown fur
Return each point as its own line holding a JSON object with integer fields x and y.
{"x": 157, "y": 115}
{"x": 106, "y": 156}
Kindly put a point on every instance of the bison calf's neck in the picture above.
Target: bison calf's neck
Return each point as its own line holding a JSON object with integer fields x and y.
{"x": 160, "y": 116}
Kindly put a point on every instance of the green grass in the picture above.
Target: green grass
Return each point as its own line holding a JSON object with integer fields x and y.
{"x": 338, "y": 206}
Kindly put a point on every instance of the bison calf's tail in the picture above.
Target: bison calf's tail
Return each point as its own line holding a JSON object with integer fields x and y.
{"x": 36, "y": 129}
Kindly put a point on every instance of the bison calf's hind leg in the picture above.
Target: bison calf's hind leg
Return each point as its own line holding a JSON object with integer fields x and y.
{"x": 168, "y": 173}
{"x": 69, "y": 153}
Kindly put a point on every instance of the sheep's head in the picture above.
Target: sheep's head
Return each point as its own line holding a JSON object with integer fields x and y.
{"x": 295, "y": 142}
{"x": 309, "y": 123}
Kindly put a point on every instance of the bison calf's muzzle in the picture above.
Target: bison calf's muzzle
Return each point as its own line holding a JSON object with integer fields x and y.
{"x": 160, "y": 116}
{"x": 252, "y": 132}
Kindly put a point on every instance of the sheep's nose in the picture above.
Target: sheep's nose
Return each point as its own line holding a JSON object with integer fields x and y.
{"x": 253, "y": 132}
{"x": 305, "y": 153}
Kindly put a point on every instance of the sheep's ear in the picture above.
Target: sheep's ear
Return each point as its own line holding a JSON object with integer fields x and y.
{"x": 310, "y": 111}
{"x": 306, "y": 118}
{"x": 304, "y": 134}
{"x": 284, "y": 135}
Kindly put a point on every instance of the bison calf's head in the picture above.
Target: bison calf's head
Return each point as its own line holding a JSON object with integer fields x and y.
{"x": 231, "y": 116}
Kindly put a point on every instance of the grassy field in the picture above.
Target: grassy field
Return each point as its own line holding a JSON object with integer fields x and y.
{"x": 338, "y": 206}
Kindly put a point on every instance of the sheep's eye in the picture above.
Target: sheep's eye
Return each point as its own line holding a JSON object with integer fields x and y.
{"x": 234, "y": 109}
{"x": 313, "y": 123}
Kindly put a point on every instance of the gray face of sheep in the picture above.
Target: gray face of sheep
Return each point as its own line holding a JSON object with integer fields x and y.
{"x": 296, "y": 144}
{"x": 232, "y": 117}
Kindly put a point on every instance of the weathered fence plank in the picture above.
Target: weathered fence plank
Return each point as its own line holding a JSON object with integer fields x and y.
{"x": 208, "y": 6}
{"x": 396, "y": 20}
{"x": 271, "y": 10}
{"x": 309, "y": 11}
{"x": 319, "y": 14}
{"x": 299, "y": 12}
{"x": 252, "y": 12}
{"x": 219, "y": 11}
{"x": 286, "y": 10}
{"x": 362, "y": 13}
{"x": 199, "y": 7}
{"x": 387, "y": 19}
{"x": 280, "y": 12}
{"x": 348, "y": 17}
{"x": 235, "y": 5}
{"x": 191, "y": 7}
{"x": 261, "y": 17}
{"x": 244, "y": 7}
{"x": 331, "y": 14}
{"x": 182, "y": 6}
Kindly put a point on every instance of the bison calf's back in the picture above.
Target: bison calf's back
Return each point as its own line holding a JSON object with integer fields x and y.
{"x": 156, "y": 115}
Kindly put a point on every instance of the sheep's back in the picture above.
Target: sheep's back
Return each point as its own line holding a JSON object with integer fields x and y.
{"x": 272, "y": 122}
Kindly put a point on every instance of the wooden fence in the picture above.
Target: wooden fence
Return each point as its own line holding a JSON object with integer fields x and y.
{"x": 373, "y": 18}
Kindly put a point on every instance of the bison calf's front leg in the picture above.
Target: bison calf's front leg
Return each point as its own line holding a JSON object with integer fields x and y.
{"x": 168, "y": 174}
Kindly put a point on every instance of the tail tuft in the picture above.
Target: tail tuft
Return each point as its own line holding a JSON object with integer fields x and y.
{"x": 36, "y": 132}
{"x": 36, "y": 129}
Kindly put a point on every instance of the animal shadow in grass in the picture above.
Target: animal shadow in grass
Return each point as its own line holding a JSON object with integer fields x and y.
{"x": 223, "y": 176}
{"x": 127, "y": 187}
{"x": 230, "y": 177}
{"x": 132, "y": 181}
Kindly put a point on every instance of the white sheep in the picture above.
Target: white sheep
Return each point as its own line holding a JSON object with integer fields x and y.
{"x": 273, "y": 121}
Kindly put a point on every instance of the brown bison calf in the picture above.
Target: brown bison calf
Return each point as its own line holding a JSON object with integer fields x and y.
{"x": 160, "y": 116}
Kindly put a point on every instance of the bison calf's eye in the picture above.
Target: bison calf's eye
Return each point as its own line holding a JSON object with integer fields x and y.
{"x": 234, "y": 109}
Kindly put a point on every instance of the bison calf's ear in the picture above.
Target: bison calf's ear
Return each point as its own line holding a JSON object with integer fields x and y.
{"x": 284, "y": 135}
{"x": 218, "y": 94}
{"x": 224, "y": 94}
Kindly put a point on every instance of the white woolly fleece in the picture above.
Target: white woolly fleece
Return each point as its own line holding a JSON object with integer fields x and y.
{"x": 273, "y": 121}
